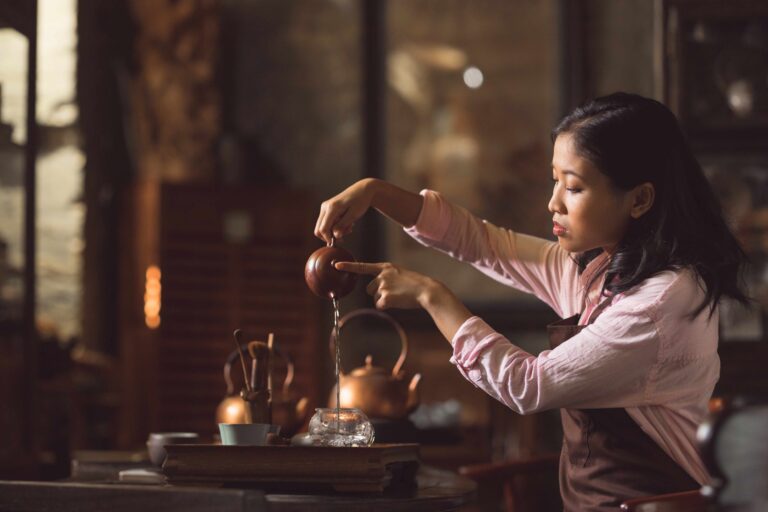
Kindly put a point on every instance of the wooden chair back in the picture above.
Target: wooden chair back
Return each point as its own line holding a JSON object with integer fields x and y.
{"x": 734, "y": 446}
{"x": 734, "y": 443}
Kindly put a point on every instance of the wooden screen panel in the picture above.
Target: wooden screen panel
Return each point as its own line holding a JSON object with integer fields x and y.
{"x": 214, "y": 282}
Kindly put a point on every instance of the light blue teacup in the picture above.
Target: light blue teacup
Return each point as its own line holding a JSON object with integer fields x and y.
{"x": 245, "y": 434}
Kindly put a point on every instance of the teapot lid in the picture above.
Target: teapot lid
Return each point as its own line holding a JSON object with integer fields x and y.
{"x": 368, "y": 369}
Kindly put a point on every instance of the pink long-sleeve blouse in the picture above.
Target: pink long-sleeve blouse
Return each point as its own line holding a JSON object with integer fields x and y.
{"x": 642, "y": 353}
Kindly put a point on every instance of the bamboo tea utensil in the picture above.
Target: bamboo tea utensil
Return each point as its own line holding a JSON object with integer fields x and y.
{"x": 259, "y": 395}
{"x": 238, "y": 333}
{"x": 271, "y": 347}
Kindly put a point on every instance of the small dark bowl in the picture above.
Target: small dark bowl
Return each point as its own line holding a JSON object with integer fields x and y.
{"x": 157, "y": 441}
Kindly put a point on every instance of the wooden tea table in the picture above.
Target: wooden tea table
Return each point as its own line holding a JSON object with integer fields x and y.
{"x": 437, "y": 490}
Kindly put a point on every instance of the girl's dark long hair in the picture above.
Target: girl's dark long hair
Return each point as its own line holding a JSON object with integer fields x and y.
{"x": 634, "y": 140}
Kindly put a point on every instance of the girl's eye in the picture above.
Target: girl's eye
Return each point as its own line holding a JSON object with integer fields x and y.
{"x": 569, "y": 189}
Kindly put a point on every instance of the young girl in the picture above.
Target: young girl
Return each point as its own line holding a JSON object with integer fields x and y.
{"x": 642, "y": 258}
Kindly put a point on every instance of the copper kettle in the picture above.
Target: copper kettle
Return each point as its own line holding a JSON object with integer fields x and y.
{"x": 374, "y": 390}
{"x": 288, "y": 410}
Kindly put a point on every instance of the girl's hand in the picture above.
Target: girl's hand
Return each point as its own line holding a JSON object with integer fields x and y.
{"x": 396, "y": 287}
{"x": 339, "y": 213}
{"x": 393, "y": 286}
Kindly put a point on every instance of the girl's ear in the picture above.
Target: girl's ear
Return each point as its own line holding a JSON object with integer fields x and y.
{"x": 642, "y": 199}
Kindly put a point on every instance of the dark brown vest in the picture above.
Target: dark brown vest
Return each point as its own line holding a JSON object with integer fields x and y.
{"x": 606, "y": 457}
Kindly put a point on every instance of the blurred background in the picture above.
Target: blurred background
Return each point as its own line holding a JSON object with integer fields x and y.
{"x": 160, "y": 189}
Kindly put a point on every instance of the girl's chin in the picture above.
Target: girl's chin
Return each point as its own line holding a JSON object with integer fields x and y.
{"x": 569, "y": 245}
{"x": 575, "y": 247}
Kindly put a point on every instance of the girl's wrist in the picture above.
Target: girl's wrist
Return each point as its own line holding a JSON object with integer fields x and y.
{"x": 447, "y": 311}
{"x": 433, "y": 294}
{"x": 371, "y": 187}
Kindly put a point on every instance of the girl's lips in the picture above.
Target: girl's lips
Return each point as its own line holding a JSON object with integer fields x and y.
{"x": 557, "y": 229}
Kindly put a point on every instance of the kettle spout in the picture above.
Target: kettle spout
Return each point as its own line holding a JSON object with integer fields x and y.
{"x": 413, "y": 393}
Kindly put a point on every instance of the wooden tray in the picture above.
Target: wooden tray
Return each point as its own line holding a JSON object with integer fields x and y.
{"x": 294, "y": 468}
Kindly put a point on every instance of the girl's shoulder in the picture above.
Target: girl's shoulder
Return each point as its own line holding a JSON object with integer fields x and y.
{"x": 675, "y": 292}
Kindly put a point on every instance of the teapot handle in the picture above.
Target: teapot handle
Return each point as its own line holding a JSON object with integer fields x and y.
{"x": 233, "y": 356}
{"x": 380, "y": 314}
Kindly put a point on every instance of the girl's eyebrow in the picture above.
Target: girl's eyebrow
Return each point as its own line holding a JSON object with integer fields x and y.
{"x": 568, "y": 171}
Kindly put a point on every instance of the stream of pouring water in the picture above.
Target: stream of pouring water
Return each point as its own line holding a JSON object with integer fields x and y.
{"x": 337, "y": 343}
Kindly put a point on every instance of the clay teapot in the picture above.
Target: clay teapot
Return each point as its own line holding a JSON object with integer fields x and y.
{"x": 323, "y": 278}
{"x": 288, "y": 410}
{"x": 379, "y": 393}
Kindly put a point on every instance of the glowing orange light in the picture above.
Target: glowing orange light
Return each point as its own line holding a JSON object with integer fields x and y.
{"x": 152, "y": 294}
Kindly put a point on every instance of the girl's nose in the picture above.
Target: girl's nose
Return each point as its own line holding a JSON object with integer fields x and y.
{"x": 555, "y": 204}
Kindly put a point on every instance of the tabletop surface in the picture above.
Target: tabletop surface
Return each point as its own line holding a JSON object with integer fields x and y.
{"x": 97, "y": 485}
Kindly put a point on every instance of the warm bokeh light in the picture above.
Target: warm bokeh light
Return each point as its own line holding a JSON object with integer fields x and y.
{"x": 152, "y": 294}
{"x": 153, "y": 272}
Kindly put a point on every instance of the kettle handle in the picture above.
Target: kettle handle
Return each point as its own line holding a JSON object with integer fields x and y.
{"x": 233, "y": 356}
{"x": 380, "y": 314}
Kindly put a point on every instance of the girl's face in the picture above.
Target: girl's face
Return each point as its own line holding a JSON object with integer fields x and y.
{"x": 588, "y": 212}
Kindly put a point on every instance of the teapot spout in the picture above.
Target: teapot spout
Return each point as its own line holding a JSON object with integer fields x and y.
{"x": 413, "y": 393}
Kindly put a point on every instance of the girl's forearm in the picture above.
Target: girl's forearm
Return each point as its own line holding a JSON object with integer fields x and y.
{"x": 446, "y": 310}
{"x": 404, "y": 207}
{"x": 394, "y": 202}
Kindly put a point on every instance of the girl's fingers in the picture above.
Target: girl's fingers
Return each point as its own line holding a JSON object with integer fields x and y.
{"x": 347, "y": 230}
{"x": 333, "y": 223}
{"x": 344, "y": 224}
{"x": 372, "y": 287}
{"x": 317, "y": 222}
{"x": 320, "y": 231}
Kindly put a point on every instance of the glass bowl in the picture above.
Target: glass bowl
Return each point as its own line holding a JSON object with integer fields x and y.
{"x": 350, "y": 427}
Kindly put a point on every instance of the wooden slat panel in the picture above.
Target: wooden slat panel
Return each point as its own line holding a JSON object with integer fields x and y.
{"x": 211, "y": 286}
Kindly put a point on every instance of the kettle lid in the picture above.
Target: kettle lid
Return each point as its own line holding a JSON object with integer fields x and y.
{"x": 368, "y": 369}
